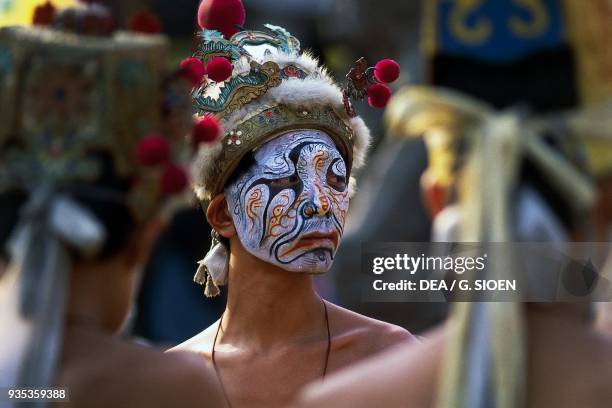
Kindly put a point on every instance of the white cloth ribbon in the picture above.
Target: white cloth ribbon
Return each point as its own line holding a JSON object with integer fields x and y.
{"x": 213, "y": 269}
{"x": 38, "y": 249}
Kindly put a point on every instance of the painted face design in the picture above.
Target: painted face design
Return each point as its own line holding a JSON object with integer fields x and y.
{"x": 289, "y": 207}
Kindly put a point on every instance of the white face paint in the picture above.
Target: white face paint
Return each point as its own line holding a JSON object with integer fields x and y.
{"x": 289, "y": 207}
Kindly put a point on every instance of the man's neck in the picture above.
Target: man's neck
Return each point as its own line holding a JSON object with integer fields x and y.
{"x": 98, "y": 297}
{"x": 267, "y": 305}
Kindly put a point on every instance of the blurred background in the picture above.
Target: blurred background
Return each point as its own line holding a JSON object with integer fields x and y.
{"x": 505, "y": 52}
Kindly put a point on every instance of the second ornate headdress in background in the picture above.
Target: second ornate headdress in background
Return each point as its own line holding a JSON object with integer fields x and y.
{"x": 91, "y": 121}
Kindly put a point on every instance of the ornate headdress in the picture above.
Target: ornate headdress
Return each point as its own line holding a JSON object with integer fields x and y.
{"x": 66, "y": 95}
{"x": 81, "y": 104}
{"x": 260, "y": 85}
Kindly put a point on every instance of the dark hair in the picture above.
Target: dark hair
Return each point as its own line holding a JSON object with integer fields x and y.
{"x": 114, "y": 214}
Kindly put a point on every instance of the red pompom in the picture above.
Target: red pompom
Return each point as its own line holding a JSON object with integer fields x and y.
{"x": 219, "y": 69}
{"x": 221, "y": 15}
{"x": 386, "y": 70}
{"x": 145, "y": 22}
{"x": 44, "y": 15}
{"x": 153, "y": 150}
{"x": 206, "y": 130}
{"x": 379, "y": 95}
{"x": 173, "y": 180}
{"x": 193, "y": 70}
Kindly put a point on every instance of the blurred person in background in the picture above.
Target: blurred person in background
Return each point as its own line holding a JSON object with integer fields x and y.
{"x": 90, "y": 165}
{"x": 516, "y": 341}
{"x": 451, "y": 123}
{"x": 548, "y": 197}
{"x": 276, "y": 190}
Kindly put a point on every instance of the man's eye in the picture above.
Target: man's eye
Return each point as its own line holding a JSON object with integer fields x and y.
{"x": 285, "y": 181}
{"x": 337, "y": 182}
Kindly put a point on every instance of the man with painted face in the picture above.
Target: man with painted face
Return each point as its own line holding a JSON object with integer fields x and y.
{"x": 276, "y": 190}
{"x": 289, "y": 206}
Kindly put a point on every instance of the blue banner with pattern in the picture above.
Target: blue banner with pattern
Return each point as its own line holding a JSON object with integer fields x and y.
{"x": 498, "y": 30}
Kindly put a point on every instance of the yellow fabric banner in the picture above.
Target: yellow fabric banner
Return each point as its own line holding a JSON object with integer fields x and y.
{"x": 590, "y": 31}
{"x": 19, "y": 12}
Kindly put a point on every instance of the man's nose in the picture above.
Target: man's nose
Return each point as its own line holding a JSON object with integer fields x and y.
{"x": 322, "y": 202}
{"x": 318, "y": 204}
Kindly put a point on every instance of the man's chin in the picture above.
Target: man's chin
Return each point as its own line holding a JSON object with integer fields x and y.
{"x": 313, "y": 262}
{"x": 308, "y": 270}
{"x": 316, "y": 261}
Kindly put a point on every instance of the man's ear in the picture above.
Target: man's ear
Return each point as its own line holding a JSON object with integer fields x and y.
{"x": 219, "y": 217}
{"x": 434, "y": 194}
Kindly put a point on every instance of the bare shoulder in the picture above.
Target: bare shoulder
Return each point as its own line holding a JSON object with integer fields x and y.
{"x": 148, "y": 377}
{"x": 201, "y": 343}
{"x": 190, "y": 374}
{"x": 381, "y": 380}
{"x": 186, "y": 368}
{"x": 376, "y": 335}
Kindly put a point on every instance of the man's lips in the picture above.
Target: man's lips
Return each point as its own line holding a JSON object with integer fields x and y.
{"x": 313, "y": 239}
